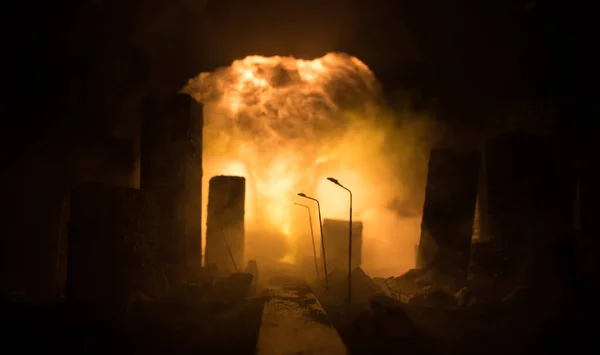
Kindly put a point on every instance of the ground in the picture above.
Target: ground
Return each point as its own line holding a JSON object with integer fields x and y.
{"x": 289, "y": 319}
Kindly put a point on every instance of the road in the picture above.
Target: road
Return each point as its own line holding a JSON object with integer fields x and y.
{"x": 293, "y": 322}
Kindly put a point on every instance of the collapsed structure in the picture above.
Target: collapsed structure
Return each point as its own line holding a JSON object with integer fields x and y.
{"x": 518, "y": 172}
{"x": 125, "y": 240}
{"x": 449, "y": 211}
{"x": 171, "y": 169}
{"x": 225, "y": 224}
{"x": 285, "y": 124}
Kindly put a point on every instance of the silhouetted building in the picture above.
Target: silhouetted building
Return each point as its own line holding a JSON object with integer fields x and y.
{"x": 449, "y": 210}
{"x": 522, "y": 191}
{"x": 589, "y": 191}
{"x": 520, "y": 176}
{"x": 171, "y": 169}
{"x": 336, "y": 234}
{"x": 225, "y": 223}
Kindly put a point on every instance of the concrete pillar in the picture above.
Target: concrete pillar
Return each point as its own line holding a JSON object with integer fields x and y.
{"x": 482, "y": 204}
{"x": 171, "y": 169}
{"x": 63, "y": 246}
{"x": 589, "y": 240}
{"x": 225, "y": 223}
{"x": 523, "y": 197}
{"x": 335, "y": 232}
{"x": 449, "y": 210}
{"x": 589, "y": 191}
{"x": 112, "y": 239}
{"x": 520, "y": 182}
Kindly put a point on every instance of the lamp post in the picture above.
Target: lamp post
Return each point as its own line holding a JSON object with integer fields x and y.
{"x": 312, "y": 235}
{"x": 349, "y": 239}
{"x": 322, "y": 238}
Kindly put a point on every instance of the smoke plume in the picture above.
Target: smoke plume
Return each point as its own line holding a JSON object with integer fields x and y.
{"x": 287, "y": 124}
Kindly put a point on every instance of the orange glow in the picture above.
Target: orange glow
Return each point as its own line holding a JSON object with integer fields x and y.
{"x": 287, "y": 124}
{"x": 328, "y": 191}
{"x": 233, "y": 168}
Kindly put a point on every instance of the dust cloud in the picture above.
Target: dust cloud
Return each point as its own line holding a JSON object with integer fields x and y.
{"x": 287, "y": 124}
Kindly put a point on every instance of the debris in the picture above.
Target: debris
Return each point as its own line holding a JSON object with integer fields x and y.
{"x": 363, "y": 287}
{"x": 235, "y": 287}
{"x": 213, "y": 271}
{"x": 384, "y": 285}
{"x": 252, "y": 269}
{"x": 138, "y": 296}
{"x": 521, "y": 294}
{"x": 464, "y": 297}
{"x": 433, "y": 298}
{"x": 381, "y": 327}
{"x": 407, "y": 283}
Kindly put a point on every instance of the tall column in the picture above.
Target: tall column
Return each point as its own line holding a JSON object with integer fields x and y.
{"x": 449, "y": 210}
{"x": 482, "y": 204}
{"x": 520, "y": 179}
{"x": 589, "y": 193}
{"x": 171, "y": 169}
{"x": 523, "y": 194}
{"x": 225, "y": 223}
{"x": 588, "y": 211}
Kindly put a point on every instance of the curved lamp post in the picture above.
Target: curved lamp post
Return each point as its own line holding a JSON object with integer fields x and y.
{"x": 349, "y": 239}
{"x": 312, "y": 235}
{"x": 322, "y": 238}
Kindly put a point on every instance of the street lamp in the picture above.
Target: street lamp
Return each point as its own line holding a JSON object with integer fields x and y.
{"x": 312, "y": 235}
{"x": 349, "y": 239}
{"x": 322, "y": 238}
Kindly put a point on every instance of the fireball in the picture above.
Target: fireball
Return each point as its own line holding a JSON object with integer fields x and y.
{"x": 286, "y": 124}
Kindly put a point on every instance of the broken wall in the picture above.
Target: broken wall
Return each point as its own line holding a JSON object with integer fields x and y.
{"x": 225, "y": 237}
{"x": 171, "y": 170}
{"x": 523, "y": 195}
{"x": 449, "y": 211}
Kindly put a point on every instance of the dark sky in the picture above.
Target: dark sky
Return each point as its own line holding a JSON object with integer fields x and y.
{"x": 73, "y": 65}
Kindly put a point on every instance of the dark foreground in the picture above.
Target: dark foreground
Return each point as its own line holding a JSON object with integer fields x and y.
{"x": 151, "y": 329}
{"x": 384, "y": 327}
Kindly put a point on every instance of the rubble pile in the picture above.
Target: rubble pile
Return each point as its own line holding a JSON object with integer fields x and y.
{"x": 252, "y": 269}
{"x": 426, "y": 288}
{"x": 383, "y": 327}
{"x": 363, "y": 287}
{"x": 223, "y": 290}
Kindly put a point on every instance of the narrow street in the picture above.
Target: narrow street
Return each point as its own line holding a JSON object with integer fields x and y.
{"x": 294, "y": 322}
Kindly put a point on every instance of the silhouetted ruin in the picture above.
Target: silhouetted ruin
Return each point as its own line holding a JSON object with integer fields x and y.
{"x": 449, "y": 210}
{"x": 522, "y": 193}
{"x": 171, "y": 169}
{"x": 225, "y": 223}
{"x": 131, "y": 130}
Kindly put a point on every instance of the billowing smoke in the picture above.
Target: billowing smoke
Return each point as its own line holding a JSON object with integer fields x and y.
{"x": 286, "y": 124}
